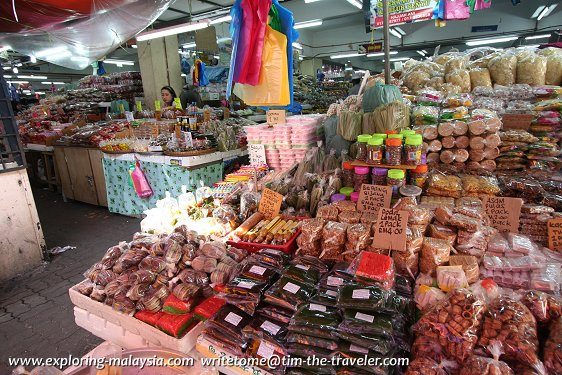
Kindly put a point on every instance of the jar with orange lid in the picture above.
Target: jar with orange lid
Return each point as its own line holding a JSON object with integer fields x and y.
{"x": 348, "y": 174}
{"x": 418, "y": 176}
{"x": 393, "y": 154}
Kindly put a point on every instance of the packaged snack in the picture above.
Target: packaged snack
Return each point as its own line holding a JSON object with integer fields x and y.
{"x": 426, "y": 297}
{"x": 451, "y": 277}
{"x": 329, "y": 212}
{"x": 149, "y": 317}
{"x": 362, "y": 296}
{"x": 370, "y": 267}
{"x": 262, "y": 326}
{"x": 448, "y": 186}
{"x": 460, "y": 78}
{"x": 458, "y": 113}
{"x": 175, "y": 325}
{"x": 208, "y": 307}
{"x": 435, "y": 252}
{"x": 480, "y": 77}
{"x": 275, "y": 313}
{"x": 427, "y": 366}
{"x": 289, "y": 293}
{"x": 553, "y": 348}
{"x": 303, "y": 273}
{"x": 310, "y": 262}
{"x": 503, "y": 69}
{"x": 531, "y": 69}
{"x": 176, "y": 306}
{"x": 477, "y": 365}
{"x": 469, "y": 265}
{"x": 424, "y": 115}
{"x": 406, "y": 263}
{"x": 229, "y": 321}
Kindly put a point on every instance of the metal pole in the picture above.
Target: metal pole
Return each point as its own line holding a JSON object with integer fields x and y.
{"x": 386, "y": 42}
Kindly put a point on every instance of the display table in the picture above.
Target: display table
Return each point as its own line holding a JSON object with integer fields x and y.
{"x": 34, "y": 153}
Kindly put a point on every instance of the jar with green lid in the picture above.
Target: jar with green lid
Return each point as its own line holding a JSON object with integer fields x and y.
{"x": 413, "y": 149}
{"x": 396, "y": 136}
{"x": 408, "y": 132}
{"x": 396, "y": 178}
{"x": 375, "y": 151}
{"x": 346, "y": 191}
{"x": 380, "y": 135}
{"x": 362, "y": 141}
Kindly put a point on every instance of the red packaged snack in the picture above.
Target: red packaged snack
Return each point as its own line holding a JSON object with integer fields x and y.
{"x": 175, "y": 325}
{"x": 174, "y": 305}
{"x": 149, "y": 317}
{"x": 208, "y": 308}
{"x": 373, "y": 267}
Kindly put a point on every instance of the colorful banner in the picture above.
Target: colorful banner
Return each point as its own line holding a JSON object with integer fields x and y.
{"x": 401, "y": 11}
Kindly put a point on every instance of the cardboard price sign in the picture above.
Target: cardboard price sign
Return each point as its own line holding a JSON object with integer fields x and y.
{"x": 257, "y": 154}
{"x": 373, "y": 197}
{"x": 275, "y": 116}
{"x": 270, "y": 203}
{"x": 516, "y": 121}
{"x": 504, "y": 212}
{"x": 555, "y": 234}
{"x": 390, "y": 229}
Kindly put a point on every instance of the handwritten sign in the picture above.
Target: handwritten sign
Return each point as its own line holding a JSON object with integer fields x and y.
{"x": 275, "y": 116}
{"x": 390, "y": 229}
{"x": 270, "y": 203}
{"x": 373, "y": 197}
{"x": 516, "y": 121}
{"x": 157, "y": 105}
{"x": 504, "y": 212}
{"x": 257, "y": 154}
{"x": 154, "y": 131}
{"x": 555, "y": 234}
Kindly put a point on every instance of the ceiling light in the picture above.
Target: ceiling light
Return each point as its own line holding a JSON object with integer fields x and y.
{"x": 311, "y": 23}
{"x": 58, "y": 83}
{"x": 537, "y": 36}
{"x": 173, "y": 30}
{"x": 310, "y": 1}
{"x": 356, "y": 3}
{"x": 15, "y": 70}
{"x": 347, "y": 55}
{"x": 400, "y": 59}
{"x": 396, "y": 33}
{"x": 7, "y": 76}
{"x": 50, "y": 51}
{"x": 32, "y": 59}
{"x": 399, "y": 30}
{"x": 546, "y": 11}
{"x": 479, "y": 42}
{"x": 221, "y": 20}
{"x": 6, "y": 67}
{"x": 19, "y": 64}
{"x": 134, "y": 46}
{"x": 381, "y": 54}
{"x": 297, "y": 45}
{"x": 10, "y": 82}
{"x": 118, "y": 62}
{"x": 46, "y": 83}
{"x": 189, "y": 45}
{"x": 421, "y": 53}
{"x": 33, "y": 77}
{"x": 40, "y": 92}
{"x": 538, "y": 11}
{"x": 532, "y": 46}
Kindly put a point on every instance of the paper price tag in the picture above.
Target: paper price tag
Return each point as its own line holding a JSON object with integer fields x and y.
{"x": 360, "y": 294}
{"x": 270, "y": 327}
{"x": 257, "y": 270}
{"x": 265, "y": 350}
{"x": 316, "y": 307}
{"x": 373, "y": 197}
{"x": 390, "y": 229}
{"x": 334, "y": 281}
{"x": 276, "y": 116}
{"x": 365, "y": 317}
{"x": 292, "y": 288}
{"x": 154, "y": 131}
{"x": 358, "y": 349}
{"x": 555, "y": 234}
{"x": 504, "y": 212}
{"x": 246, "y": 284}
{"x": 257, "y": 154}
{"x": 332, "y": 293}
{"x": 270, "y": 203}
{"x": 233, "y": 319}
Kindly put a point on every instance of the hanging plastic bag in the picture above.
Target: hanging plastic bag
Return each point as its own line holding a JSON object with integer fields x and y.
{"x": 168, "y": 203}
{"x": 456, "y": 10}
{"x": 186, "y": 199}
{"x": 140, "y": 183}
{"x": 287, "y": 28}
{"x": 203, "y": 192}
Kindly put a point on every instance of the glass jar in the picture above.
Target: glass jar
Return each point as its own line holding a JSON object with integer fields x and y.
{"x": 375, "y": 151}
{"x": 379, "y": 176}
{"x": 362, "y": 141}
{"x": 348, "y": 173}
{"x": 418, "y": 176}
{"x": 413, "y": 149}
{"x": 361, "y": 177}
{"x": 393, "y": 152}
{"x": 396, "y": 178}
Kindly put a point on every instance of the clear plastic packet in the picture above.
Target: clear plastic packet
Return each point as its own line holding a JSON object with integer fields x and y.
{"x": 298, "y": 338}
{"x": 457, "y": 113}
{"x": 518, "y": 334}
{"x": 451, "y": 277}
{"x": 480, "y": 77}
{"x": 503, "y": 69}
{"x": 458, "y": 142}
{"x": 428, "y": 132}
{"x": 230, "y": 321}
{"x": 425, "y": 115}
{"x": 289, "y": 293}
{"x": 458, "y": 100}
{"x": 379, "y": 344}
{"x": 553, "y": 348}
{"x": 453, "y": 324}
{"x": 477, "y": 365}
{"x": 428, "y": 366}
{"x": 520, "y": 243}
{"x": 429, "y": 97}
{"x": 435, "y": 252}
{"x": 406, "y": 263}
{"x": 303, "y": 273}
{"x": 349, "y": 217}
{"x": 371, "y": 267}
{"x": 469, "y": 265}
{"x": 263, "y": 326}
{"x": 355, "y": 321}
{"x": 531, "y": 69}
{"x": 443, "y": 185}
{"x": 267, "y": 348}
{"x": 275, "y": 313}
{"x": 426, "y": 297}
{"x": 460, "y": 78}
{"x": 443, "y": 232}
{"x": 359, "y": 296}
{"x": 329, "y": 212}
{"x": 546, "y": 278}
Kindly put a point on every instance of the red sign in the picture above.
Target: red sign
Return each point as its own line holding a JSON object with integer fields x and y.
{"x": 399, "y": 18}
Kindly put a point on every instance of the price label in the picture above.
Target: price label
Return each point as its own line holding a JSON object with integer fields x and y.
{"x": 360, "y": 294}
{"x": 270, "y": 203}
{"x": 129, "y": 116}
{"x": 373, "y": 197}
{"x": 292, "y": 288}
{"x": 276, "y": 116}
{"x": 233, "y": 318}
{"x": 555, "y": 234}
{"x": 157, "y": 105}
{"x": 504, "y": 212}
{"x": 154, "y": 131}
{"x": 139, "y": 106}
{"x": 390, "y": 229}
{"x": 257, "y": 154}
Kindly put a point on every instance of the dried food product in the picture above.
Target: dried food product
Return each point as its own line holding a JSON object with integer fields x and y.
{"x": 510, "y": 322}
{"x": 443, "y": 232}
{"x": 406, "y": 263}
{"x": 230, "y": 321}
{"x": 480, "y": 77}
{"x": 426, "y": 366}
{"x": 469, "y": 265}
{"x": 435, "y": 252}
{"x": 349, "y": 217}
{"x": 427, "y": 297}
{"x": 449, "y": 186}
{"x": 553, "y": 348}
{"x": 553, "y": 70}
{"x": 451, "y": 277}
{"x": 289, "y": 293}
{"x": 460, "y": 78}
{"x": 503, "y": 69}
{"x": 477, "y": 365}
{"x": 531, "y": 69}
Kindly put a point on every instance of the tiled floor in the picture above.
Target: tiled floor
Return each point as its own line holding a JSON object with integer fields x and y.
{"x": 36, "y": 315}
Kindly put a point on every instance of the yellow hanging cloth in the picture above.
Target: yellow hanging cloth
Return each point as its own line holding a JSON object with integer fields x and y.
{"x": 273, "y": 86}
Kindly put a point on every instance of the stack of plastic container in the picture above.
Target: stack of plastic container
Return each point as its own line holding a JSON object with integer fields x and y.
{"x": 286, "y": 144}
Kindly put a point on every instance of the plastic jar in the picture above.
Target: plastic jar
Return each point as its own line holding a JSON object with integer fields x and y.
{"x": 378, "y": 176}
{"x": 338, "y": 198}
{"x": 407, "y": 132}
{"x": 413, "y": 149}
{"x": 411, "y": 191}
{"x": 393, "y": 152}
{"x": 398, "y": 136}
{"x": 348, "y": 173}
{"x": 362, "y": 141}
{"x": 375, "y": 150}
{"x": 361, "y": 177}
{"x": 354, "y": 196}
{"x": 396, "y": 178}
{"x": 418, "y": 176}
{"x": 346, "y": 191}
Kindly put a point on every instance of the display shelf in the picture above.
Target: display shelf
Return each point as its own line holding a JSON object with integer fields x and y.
{"x": 358, "y": 163}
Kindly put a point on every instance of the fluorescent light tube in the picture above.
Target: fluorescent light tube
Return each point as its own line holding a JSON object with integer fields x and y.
{"x": 532, "y": 46}
{"x": 346, "y": 55}
{"x": 40, "y": 92}
{"x": 221, "y": 20}
{"x": 50, "y": 51}
{"x": 134, "y": 46}
{"x": 190, "y": 45}
{"x": 311, "y": 23}
{"x": 33, "y": 77}
{"x": 15, "y": 70}
{"x": 7, "y": 76}
{"x": 356, "y": 3}
{"x": 546, "y": 11}
{"x": 479, "y": 42}
{"x": 399, "y": 30}
{"x": 224, "y": 40}
{"x": 10, "y": 82}
{"x": 396, "y": 33}
{"x": 297, "y": 45}
{"x": 381, "y": 54}
{"x": 537, "y": 36}
{"x": 118, "y": 62}
{"x": 6, "y": 67}
{"x": 310, "y": 1}
{"x": 421, "y": 53}
{"x": 400, "y": 59}
{"x": 58, "y": 83}
{"x": 538, "y": 11}
{"x": 173, "y": 30}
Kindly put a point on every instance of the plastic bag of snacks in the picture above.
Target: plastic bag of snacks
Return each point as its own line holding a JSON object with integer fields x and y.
{"x": 503, "y": 69}
{"x": 553, "y": 348}
{"x": 554, "y": 70}
{"x": 373, "y": 268}
{"x": 531, "y": 69}
{"x": 459, "y": 77}
{"x": 424, "y": 115}
{"x": 477, "y": 365}
{"x": 434, "y": 253}
{"x": 480, "y": 77}
{"x": 428, "y": 366}
{"x": 458, "y": 100}
{"x": 427, "y": 297}
{"x": 429, "y": 97}
{"x": 451, "y": 277}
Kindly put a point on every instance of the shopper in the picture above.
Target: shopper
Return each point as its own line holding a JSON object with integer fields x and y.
{"x": 168, "y": 96}
{"x": 356, "y": 80}
{"x": 190, "y": 95}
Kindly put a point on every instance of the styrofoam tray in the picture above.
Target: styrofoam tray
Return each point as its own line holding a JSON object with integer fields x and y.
{"x": 129, "y": 332}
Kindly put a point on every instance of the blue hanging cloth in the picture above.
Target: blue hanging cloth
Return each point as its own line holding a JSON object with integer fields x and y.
{"x": 101, "y": 68}
{"x": 235, "y": 25}
{"x": 203, "y": 79}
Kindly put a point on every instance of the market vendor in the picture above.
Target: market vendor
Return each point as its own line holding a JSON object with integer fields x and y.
{"x": 190, "y": 95}
{"x": 356, "y": 81}
{"x": 168, "y": 96}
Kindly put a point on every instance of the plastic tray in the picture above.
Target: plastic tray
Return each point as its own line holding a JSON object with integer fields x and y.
{"x": 288, "y": 248}
{"x": 123, "y": 329}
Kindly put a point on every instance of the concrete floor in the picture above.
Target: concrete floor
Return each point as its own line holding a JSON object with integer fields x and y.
{"x": 36, "y": 315}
